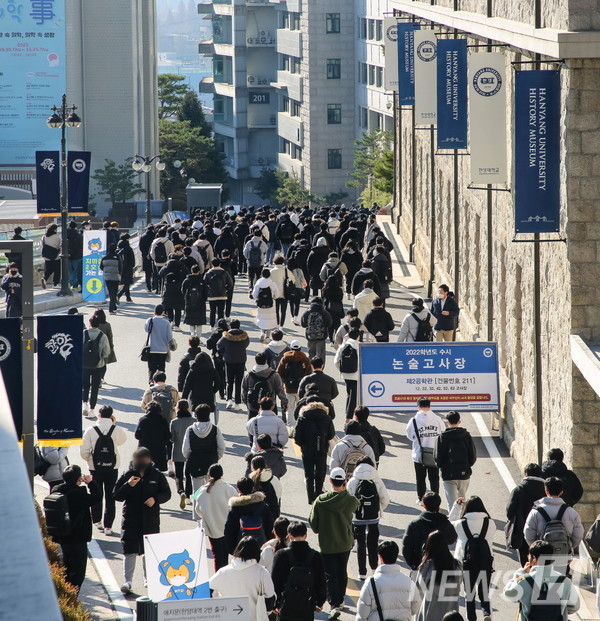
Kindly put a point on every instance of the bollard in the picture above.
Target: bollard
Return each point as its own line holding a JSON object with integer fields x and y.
{"x": 145, "y": 609}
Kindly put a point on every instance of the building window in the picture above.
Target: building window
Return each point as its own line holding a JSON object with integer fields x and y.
{"x": 362, "y": 28}
{"x": 285, "y": 104}
{"x": 332, "y": 23}
{"x": 379, "y": 77}
{"x": 362, "y": 73}
{"x": 363, "y": 117}
{"x": 296, "y": 152}
{"x": 286, "y": 147}
{"x": 379, "y": 30}
{"x": 371, "y": 75}
{"x": 294, "y": 108}
{"x": 334, "y": 68}
{"x": 334, "y": 114}
{"x": 379, "y": 120}
{"x": 284, "y": 62}
{"x": 334, "y": 158}
{"x": 295, "y": 64}
{"x": 371, "y": 29}
{"x": 294, "y": 21}
{"x": 219, "y": 108}
{"x": 285, "y": 19}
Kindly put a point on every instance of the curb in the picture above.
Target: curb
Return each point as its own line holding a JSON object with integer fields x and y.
{"x": 52, "y": 303}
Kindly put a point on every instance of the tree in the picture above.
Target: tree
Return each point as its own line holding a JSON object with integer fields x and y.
{"x": 268, "y": 184}
{"x": 367, "y": 151}
{"x": 190, "y": 109}
{"x": 383, "y": 172}
{"x": 117, "y": 181}
{"x": 171, "y": 92}
{"x": 291, "y": 193}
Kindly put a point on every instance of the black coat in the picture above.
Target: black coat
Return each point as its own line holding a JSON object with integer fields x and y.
{"x": 153, "y": 432}
{"x": 353, "y": 261}
{"x": 184, "y": 366}
{"x": 201, "y": 382}
{"x": 379, "y": 323}
{"x": 373, "y": 437}
{"x": 145, "y": 242}
{"x": 445, "y": 322}
{"x": 172, "y": 276}
{"x": 455, "y": 454}
{"x": 417, "y": 532}
{"x": 519, "y": 505}
{"x": 314, "y": 420}
{"x": 328, "y": 388}
{"x": 365, "y": 273}
{"x": 195, "y": 314}
{"x": 80, "y": 502}
{"x": 254, "y": 505}
{"x": 139, "y": 519}
{"x": 75, "y": 243}
{"x": 573, "y": 490}
{"x": 351, "y": 234}
{"x": 233, "y": 345}
{"x": 383, "y": 268}
{"x": 127, "y": 255}
{"x": 316, "y": 260}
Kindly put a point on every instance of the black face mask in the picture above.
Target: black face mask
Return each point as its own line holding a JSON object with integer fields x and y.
{"x": 13, "y": 272}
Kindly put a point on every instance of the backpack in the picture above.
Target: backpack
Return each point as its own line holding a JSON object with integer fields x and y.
{"x": 255, "y": 255}
{"x": 368, "y": 496}
{"x": 204, "y": 254}
{"x": 289, "y": 288}
{"x": 477, "y": 555}
{"x": 259, "y": 389}
{"x": 104, "y": 456}
{"x": 353, "y": 454}
{"x": 555, "y": 532}
{"x": 203, "y": 453}
{"x": 333, "y": 275}
{"x": 294, "y": 372}
{"x": 56, "y": 512}
{"x": 540, "y": 608}
{"x": 315, "y": 327}
{"x": 160, "y": 253}
{"x": 297, "y": 597}
{"x": 165, "y": 398}
{"x": 40, "y": 463}
{"x": 315, "y": 441}
{"x": 194, "y": 297}
{"x": 349, "y": 360}
{"x": 252, "y": 526}
{"x": 424, "y": 328}
{"x": 91, "y": 351}
{"x": 274, "y": 359}
{"x": 265, "y": 298}
{"x": 286, "y": 231}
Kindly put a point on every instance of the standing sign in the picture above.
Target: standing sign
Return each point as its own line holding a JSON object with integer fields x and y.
{"x": 537, "y": 151}
{"x": 11, "y": 368}
{"x": 216, "y": 609}
{"x": 406, "y": 63}
{"x": 452, "y": 94}
{"x": 32, "y": 75}
{"x": 390, "y": 70}
{"x": 94, "y": 248}
{"x": 425, "y": 44}
{"x": 47, "y": 173}
{"x": 453, "y": 375}
{"x": 487, "y": 117}
{"x": 177, "y": 565}
{"x": 78, "y": 172}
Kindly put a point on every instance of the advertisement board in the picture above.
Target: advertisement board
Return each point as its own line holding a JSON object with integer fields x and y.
{"x": 94, "y": 248}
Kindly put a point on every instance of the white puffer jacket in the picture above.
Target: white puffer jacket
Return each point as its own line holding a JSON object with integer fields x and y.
{"x": 364, "y": 472}
{"x": 212, "y": 507}
{"x": 475, "y": 524}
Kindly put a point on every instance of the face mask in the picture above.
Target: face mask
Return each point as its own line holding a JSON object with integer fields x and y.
{"x": 177, "y": 580}
{"x": 13, "y": 272}
{"x": 86, "y": 228}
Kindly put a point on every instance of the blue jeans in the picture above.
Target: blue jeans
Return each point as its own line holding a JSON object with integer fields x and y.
{"x": 285, "y": 246}
{"x": 74, "y": 272}
{"x": 270, "y": 251}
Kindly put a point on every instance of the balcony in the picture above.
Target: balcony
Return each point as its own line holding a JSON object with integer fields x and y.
{"x": 207, "y": 85}
{"x": 262, "y": 160}
{"x": 262, "y": 121}
{"x": 255, "y": 2}
{"x": 263, "y": 38}
{"x": 257, "y": 81}
{"x": 206, "y": 48}
{"x": 205, "y": 9}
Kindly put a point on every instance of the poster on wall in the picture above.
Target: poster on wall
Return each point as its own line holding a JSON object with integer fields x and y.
{"x": 487, "y": 115}
{"x": 537, "y": 151}
{"x": 406, "y": 63}
{"x": 32, "y": 76}
{"x": 425, "y": 54}
{"x": 452, "y": 94}
{"x": 94, "y": 248}
{"x": 390, "y": 69}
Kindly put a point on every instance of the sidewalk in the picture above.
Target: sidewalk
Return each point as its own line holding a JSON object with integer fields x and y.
{"x": 45, "y": 300}
{"x": 405, "y": 273}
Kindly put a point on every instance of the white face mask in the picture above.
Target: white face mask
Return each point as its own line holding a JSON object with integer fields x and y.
{"x": 178, "y": 581}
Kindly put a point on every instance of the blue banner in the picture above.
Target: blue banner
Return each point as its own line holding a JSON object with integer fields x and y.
{"x": 11, "y": 368}
{"x": 94, "y": 248}
{"x": 406, "y": 63}
{"x": 47, "y": 174}
{"x": 452, "y": 94}
{"x": 537, "y": 151}
{"x": 59, "y": 379}
{"x": 32, "y": 76}
{"x": 78, "y": 172}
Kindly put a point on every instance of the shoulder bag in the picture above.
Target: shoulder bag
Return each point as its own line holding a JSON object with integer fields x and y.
{"x": 145, "y": 354}
{"x": 427, "y": 458}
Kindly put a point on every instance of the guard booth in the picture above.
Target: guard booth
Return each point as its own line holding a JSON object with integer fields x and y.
{"x": 205, "y": 196}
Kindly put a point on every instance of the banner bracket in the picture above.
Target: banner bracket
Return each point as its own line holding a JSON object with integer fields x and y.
{"x": 452, "y": 154}
{"x": 560, "y": 61}
{"x": 538, "y": 241}
{"x": 480, "y": 187}
{"x": 488, "y": 46}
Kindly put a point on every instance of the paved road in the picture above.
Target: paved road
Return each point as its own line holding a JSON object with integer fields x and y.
{"x": 126, "y": 381}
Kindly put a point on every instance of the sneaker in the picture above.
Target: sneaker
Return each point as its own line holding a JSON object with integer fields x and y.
{"x": 238, "y": 407}
{"x": 230, "y": 405}
{"x": 335, "y": 613}
{"x": 182, "y": 501}
{"x": 176, "y": 329}
{"x": 113, "y": 312}
{"x": 362, "y": 577}
{"x": 91, "y": 414}
{"x": 43, "y": 283}
{"x": 188, "y": 501}
{"x": 487, "y": 616}
{"x": 86, "y": 410}
{"x": 126, "y": 588}
{"x": 99, "y": 526}
{"x": 129, "y": 301}
{"x": 108, "y": 532}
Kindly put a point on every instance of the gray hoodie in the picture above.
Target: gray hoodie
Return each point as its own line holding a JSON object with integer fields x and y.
{"x": 409, "y": 327}
{"x": 202, "y": 430}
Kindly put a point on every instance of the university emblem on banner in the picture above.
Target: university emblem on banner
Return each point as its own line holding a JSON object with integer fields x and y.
{"x": 5, "y": 348}
{"x": 427, "y": 51}
{"x": 487, "y": 82}
{"x": 392, "y": 33}
{"x": 48, "y": 164}
{"x": 78, "y": 165}
{"x": 61, "y": 344}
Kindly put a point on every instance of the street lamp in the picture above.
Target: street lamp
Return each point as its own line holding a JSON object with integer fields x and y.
{"x": 63, "y": 117}
{"x": 144, "y": 164}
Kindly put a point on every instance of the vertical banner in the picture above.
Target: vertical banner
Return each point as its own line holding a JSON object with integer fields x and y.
{"x": 59, "y": 379}
{"x": 47, "y": 174}
{"x": 78, "y": 181}
{"x": 537, "y": 151}
{"x": 406, "y": 63}
{"x": 390, "y": 69}
{"x": 177, "y": 565}
{"x": 94, "y": 248}
{"x": 11, "y": 368}
{"x": 425, "y": 44}
{"x": 487, "y": 116}
{"x": 452, "y": 94}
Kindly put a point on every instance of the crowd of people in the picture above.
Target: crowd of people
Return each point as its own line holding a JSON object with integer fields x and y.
{"x": 332, "y": 269}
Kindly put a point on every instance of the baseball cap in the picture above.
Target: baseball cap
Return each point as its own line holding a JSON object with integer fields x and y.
{"x": 295, "y": 344}
{"x": 337, "y": 474}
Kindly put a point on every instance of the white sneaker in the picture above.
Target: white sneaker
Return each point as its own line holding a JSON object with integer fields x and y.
{"x": 335, "y": 613}
{"x": 91, "y": 414}
{"x": 86, "y": 409}
{"x": 99, "y": 526}
{"x": 176, "y": 329}
{"x": 126, "y": 588}
{"x": 108, "y": 532}
{"x": 487, "y": 617}
{"x": 238, "y": 407}
{"x": 230, "y": 405}
{"x": 362, "y": 577}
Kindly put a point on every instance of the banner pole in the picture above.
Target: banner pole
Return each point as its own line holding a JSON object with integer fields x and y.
{"x": 433, "y": 216}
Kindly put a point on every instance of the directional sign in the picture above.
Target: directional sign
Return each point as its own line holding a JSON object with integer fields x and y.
{"x": 216, "y": 609}
{"x": 94, "y": 248}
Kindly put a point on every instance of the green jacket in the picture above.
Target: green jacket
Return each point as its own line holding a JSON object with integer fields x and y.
{"x": 331, "y": 519}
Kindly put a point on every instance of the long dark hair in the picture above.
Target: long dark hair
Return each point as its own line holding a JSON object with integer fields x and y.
{"x": 280, "y": 529}
{"x": 436, "y": 550}
{"x": 215, "y": 473}
{"x": 258, "y": 465}
{"x": 474, "y": 504}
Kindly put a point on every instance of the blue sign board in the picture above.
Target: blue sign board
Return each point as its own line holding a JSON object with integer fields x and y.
{"x": 32, "y": 76}
{"x": 537, "y": 151}
{"x": 406, "y": 63}
{"x": 94, "y": 248}
{"x": 453, "y": 375}
{"x": 452, "y": 94}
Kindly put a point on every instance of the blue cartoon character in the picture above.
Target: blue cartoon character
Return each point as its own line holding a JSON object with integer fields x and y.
{"x": 95, "y": 245}
{"x": 176, "y": 571}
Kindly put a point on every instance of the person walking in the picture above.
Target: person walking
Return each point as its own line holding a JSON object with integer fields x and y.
{"x": 352, "y": 259}
{"x": 366, "y": 485}
{"x": 254, "y": 252}
{"x": 264, "y": 293}
{"x": 111, "y": 265}
{"x": 416, "y": 533}
{"x": 125, "y": 252}
{"x": 379, "y": 322}
{"x": 269, "y": 423}
{"x": 416, "y": 325}
{"x": 363, "y": 300}
{"x": 445, "y": 310}
{"x": 12, "y": 285}
{"x": 81, "y": 493}
{"x": 346, "y": 361}
{"x": 369, "y": 432}
{"x": 163, "y": 393}
{"x": 261, "y": 381}
{"x": 331, "y": 519}
{"x": 455, "y": 456}
{"x": 229, "y": 264}
{"x": 153, "y": 432}
{"x": 96, "y": 350}
{"x": 194, "y": 294}
{"x": 211, "y": 504}
{"x": 275, "y": 348}
{"x": 218, "y": 283}
{"x": 293, "y": 367}
{"x": 51, "y": 251}
{"x": 350, "y": 449}
{"x": 141, "y": 489}
{"x": 267, "y": 483}
{"x": 160, "y": 250}
{"x": 178, "y": 427}
{"x": 100, "y": 449}
{"x": 382, "y": 268}
{"x": 172, "y": 276}
{"x": 285, "y": 280}
{"x": 202, "y": 383}
{"x": 159, "y": 339}
{"x": 75, "y": 246}
{"x": 316, "y": 259}
{"x": 184, "y": 364}
{"x": 145, "y": 243}
{"x": 211, "y": 345}
{"x": 423, "y": 430}
{"x": 333, "y": 293}
{"x": 327, "y": 386}
{"x": 389, "y": 594}
{"x": 317, "y": 321}
{"x": 232, "y": 348}
{"x": 365, "y": 273}
{"x": 555, "y": 466}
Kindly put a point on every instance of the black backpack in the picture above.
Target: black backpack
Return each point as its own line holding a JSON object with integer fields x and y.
{"x": 91, "y": 351}
{"x": 368, "y": 496}
{"x": 40, "y": 463}
{"x": 297, "y": 597}
{"x": 251, "y": 525}
{"x": 289, "y": 288}
{"x": 294, "y": 372}
{"x": 478, "y": 556}
{"x": 349, "y": 360}
{"x": 286, "y": 231}
{"x": 194, "y": 296}
{"x": 255, "y": 259}
{"x": 160, "y": 253}
{"x": 315, "y": 441}
{"x": 203, "y": 453}
{"x": 545, "y": 601}
{"x": 265, "y": 298}
{"x": 424, "y": 328}
{"x": 259, "y": 389}
{"x": 104, "y": 456}
{"x": 56, "y": 512}
{"x": 316, "y": 330}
